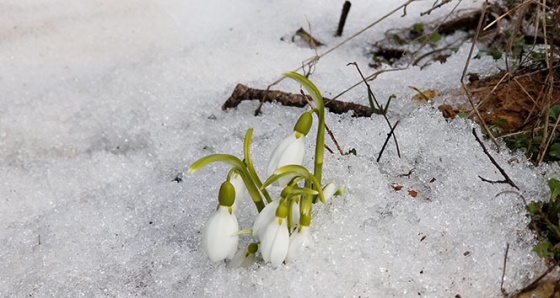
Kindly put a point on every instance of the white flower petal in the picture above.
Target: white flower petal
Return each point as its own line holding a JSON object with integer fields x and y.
{"x": 328, "y": 191}
{"x": 278, "y": 152}
{"x": 295, "y": 214}
{"x": 263, "y": 218}
{"x": 298, "y": 240}
{"x": 275, "y": 241}
{"x": 240, "y": 189}
{"x": 220, "y": 239}
{"x": 289, "y": 152}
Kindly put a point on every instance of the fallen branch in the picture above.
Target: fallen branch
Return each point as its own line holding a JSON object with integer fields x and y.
{"x": 242, "y": 92}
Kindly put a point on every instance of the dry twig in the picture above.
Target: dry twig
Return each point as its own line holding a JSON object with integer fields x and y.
{"x": 242, "y": 92}
{"x": 504, "y": 292}
{"x": 316, "y": 58}
{"x": 381, "y": 110}
{"x": 469, "y": 94}
{"x": 326, "y": 127}
{"x": 343, "y": 16}
{"x": 504, "y": 174}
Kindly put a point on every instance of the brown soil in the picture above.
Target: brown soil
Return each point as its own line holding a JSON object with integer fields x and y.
{"x": 511, "y": 103}
{"x": 546, "y": 288}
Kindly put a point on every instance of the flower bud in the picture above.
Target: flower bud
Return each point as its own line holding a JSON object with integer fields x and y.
{"x": 244, "y": 257}
{"x": 282, "y": 210}
{"x": 226, "y": 196}
{"x": 303, "y": 124}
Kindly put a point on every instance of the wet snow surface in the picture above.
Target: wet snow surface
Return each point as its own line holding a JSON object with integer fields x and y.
{"x": 105, "y": 104}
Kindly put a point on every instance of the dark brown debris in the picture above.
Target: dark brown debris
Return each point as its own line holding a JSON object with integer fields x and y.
{"x": 242, "y": 92}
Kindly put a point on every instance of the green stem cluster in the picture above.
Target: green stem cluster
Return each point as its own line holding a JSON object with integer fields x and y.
{"x": 239, "y": 166}
{"x": 312, "y": 192}
{"x": 319, "y": 110}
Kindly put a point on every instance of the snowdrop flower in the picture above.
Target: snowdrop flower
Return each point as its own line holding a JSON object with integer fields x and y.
{"x": 220, "y": 234}
{"x": 329, "y": 190}
{"x": 263, "y": 218}
{"x": 291, "y": 150}
{"x": 298, "y": 240}
{"x": 237, "y": 182}
{"x": 275, "y": 238}
{"x": 244, "y": 257}
{"x": 220, "y": 238}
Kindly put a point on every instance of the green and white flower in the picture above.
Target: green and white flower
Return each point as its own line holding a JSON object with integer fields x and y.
{"x": 220, "y": 234}
{"x": 275, "y": 238}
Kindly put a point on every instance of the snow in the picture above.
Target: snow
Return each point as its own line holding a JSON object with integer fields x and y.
{"x": 105, "y": 104}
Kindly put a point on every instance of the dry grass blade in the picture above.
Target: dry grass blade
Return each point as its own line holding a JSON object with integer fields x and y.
{"x": 316, "y": 58}
{"x": 469, "y": 94}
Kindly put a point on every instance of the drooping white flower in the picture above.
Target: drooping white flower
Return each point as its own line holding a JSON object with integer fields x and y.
{"x": 220, "y": 235}
{"x": 298, "y": 240}
{"x": 240, "y": 188}
{"x": 263, "y": 218}
{"x": 289, "y": 152}
{"x": 244, "y": 257}
{"x": 275, "y": 241}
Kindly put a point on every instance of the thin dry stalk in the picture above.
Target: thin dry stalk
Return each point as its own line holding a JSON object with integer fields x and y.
{"x": 380, "y": 108}
{"x": 521, "y": 11}
{"x": 504, "y": 292}
{"x": 505, "y": 15}
{"x": 538, "y": 107}
{"x": 326, "y": 127}
{"x": 469, "y": 94}
{"x": 506, "y": 180}
{"x": 313, "y": 60}
{"x": 413, "y": 59}
{"x": 549, "y": 85}
{"x": 371, "y": 77}
{"x": 524, "y": 90}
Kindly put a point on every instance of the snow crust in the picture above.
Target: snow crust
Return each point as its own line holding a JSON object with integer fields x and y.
{"x": 106, "y": 103}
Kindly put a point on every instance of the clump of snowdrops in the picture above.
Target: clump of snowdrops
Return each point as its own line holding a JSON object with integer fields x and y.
{"x": 282, "y": 227}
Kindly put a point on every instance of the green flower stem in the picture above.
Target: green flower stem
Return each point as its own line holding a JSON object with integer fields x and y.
{"x": 297, "y": 171}
{"x": 320, "y": 111}
{"x": 303, "y": 191}
{"x": 305, "y": 206}
{"x": 293, "y": 194}
{"x": 249, "y": 163}
{"x": 291, "y": 203}
{"x": 244, "y": 232}
{"x": 238, "y": 165}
